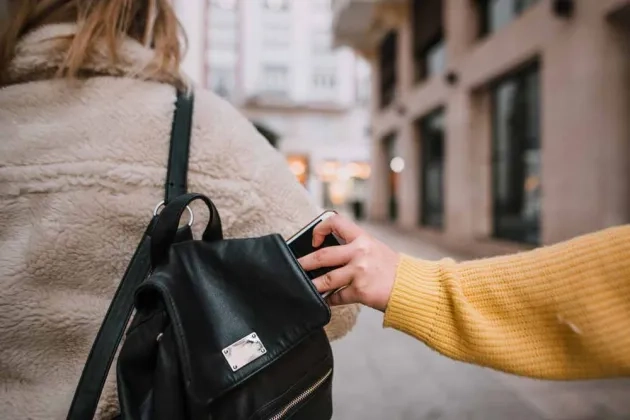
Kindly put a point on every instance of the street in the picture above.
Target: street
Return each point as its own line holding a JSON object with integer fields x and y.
{"x": 383, "y": 374}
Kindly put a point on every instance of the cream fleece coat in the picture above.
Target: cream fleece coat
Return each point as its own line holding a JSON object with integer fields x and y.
{"x": 82, "y": 166}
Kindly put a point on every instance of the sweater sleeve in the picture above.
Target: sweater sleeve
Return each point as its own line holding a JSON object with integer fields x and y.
{"x": 557, "y": 312}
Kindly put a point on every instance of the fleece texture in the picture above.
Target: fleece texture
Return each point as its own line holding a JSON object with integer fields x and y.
{"x": 82, "y": 165}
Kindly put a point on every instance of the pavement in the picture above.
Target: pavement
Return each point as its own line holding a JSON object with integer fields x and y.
{"x": 383, "y": 374}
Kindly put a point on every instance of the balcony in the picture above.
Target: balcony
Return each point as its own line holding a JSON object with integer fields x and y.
{"x": 360, "y": 24}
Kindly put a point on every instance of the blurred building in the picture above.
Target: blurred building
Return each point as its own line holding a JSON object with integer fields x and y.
{"x": 496, "y": 123}
{"x": 191, "y": 16}
{"x": 274, "y": 60}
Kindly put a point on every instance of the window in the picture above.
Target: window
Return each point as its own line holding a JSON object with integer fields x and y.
{"x": 323, "y": 5}
{"x": 223, "y": 40}
{"x": 387, "y": 63}
{"x": 322, "y": 42}
{"x": 277, "y": 5}
{"x": 275, "y": 78}
{"x": 224, "y": 4}
{"x": 363, "y": 91}
{"x": 363, "y": 85}
{"x": 223, "y": 19}
{"x": 516, "y": 157}
{"x": 434, "y": 60}
{"x": 432, "y": 145}
{"x": 324, "y": 79}
{"x": 222, "y": 81}
{"x": 495, "y": 14}
{"x": 428, "y": 40}
{"x": 277, "y": 37}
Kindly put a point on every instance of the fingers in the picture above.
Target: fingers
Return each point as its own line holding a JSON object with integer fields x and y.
{"x": 344, "y": 296}
{"x": 340, "y": 226}
{"x": 334, "y": 279}
{"x": 332, "y": 256}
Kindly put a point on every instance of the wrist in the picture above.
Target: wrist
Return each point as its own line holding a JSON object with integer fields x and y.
{"x": 387, "y": 285}
{"x": 415, "y": 294}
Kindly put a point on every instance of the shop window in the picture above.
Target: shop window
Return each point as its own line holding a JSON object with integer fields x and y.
{"x": 388, "y": 68}
{"x": 429, "y": 49}
{"x": 495, "y": 14}
{"x": 516, "y": 156}
{"x": 432, "y": 170}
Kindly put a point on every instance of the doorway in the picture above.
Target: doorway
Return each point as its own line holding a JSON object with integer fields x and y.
{"x": 516, "y": 156}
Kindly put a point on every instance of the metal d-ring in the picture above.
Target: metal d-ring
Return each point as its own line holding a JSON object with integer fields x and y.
{"x": 191, "y": 215}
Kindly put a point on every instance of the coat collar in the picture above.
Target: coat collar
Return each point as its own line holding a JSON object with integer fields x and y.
{"x": 40, "y": 54}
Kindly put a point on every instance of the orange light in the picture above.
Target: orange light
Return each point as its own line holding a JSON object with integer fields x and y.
{"x": 298, "y": 165}
{"x": 337, "y": 193}
{"x": 298, "y": 168}
{"x": 328, "y": 171}
{"x": 531, "y": 183}
{"x": 359, "y": 170}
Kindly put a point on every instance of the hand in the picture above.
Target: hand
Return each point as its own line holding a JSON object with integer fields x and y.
{"x": 367, "y": 266}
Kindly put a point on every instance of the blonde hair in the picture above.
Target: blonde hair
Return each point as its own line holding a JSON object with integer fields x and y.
{"x": 150, "y": 22}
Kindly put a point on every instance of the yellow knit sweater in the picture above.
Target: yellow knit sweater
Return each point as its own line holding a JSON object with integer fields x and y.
{"x": 557, "y": 312}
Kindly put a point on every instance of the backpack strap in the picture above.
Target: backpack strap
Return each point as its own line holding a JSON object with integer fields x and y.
{"x": 177, "y": 172}
{"x": 99, "y": 361}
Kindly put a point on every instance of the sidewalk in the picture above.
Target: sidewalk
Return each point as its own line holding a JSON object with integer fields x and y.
{"x": 383, "y": 374}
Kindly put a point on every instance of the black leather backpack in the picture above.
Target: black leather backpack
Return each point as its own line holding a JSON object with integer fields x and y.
{"x": 223, "y": 329}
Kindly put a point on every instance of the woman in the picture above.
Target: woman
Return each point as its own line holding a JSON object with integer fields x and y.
{"x": 86, "y": 104}
{"x": 557, "y": 312}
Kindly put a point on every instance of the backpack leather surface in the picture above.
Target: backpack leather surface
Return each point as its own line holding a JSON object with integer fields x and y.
{"x": 202, "y": 297}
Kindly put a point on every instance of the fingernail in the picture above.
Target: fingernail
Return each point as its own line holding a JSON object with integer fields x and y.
{"x": 317, "y": 284}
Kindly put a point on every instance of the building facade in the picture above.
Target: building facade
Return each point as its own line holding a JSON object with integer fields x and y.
{"x": 191, "y": 16}
{"x": 275, "y": 61}
{"x": 496, "y": 124}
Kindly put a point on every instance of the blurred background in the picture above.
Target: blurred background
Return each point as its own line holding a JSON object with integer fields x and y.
{"x": 279, "y": 63}
{"x": 447, "y": 128}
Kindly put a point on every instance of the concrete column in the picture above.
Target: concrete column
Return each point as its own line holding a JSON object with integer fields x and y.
{"x": 457, "y": 180}
{"x": 377, "y": 186}
{"x": 460, "y": 28}
{"x": 375, "y": 74}
{"x": 404, "y": 57}
{"x": 480, "y": 189}
{"x": 378, "y": 189}
{"x": 409, "y": 190}
{"x": 461, "y": 25}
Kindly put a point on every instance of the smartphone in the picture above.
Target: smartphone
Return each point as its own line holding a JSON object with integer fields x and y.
{"x": 301, "y": 244}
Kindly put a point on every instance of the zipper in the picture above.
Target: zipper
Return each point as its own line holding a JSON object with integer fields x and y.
{"x": 280, "y": 414}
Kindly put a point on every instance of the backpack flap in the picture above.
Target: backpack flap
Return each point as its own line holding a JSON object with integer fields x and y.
{"x": 235, "y": 307}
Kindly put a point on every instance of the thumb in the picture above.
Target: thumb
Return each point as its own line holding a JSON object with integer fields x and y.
{"x": 340, "y": 226}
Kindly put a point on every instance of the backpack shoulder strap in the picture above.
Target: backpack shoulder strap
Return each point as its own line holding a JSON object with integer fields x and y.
{"x": 99, "y": 361}
{"x": 177, "y": 172}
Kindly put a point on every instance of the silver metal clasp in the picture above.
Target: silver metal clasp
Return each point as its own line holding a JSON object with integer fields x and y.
{"x": 191, "y": 215}
{"x": 244, "y": 351}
